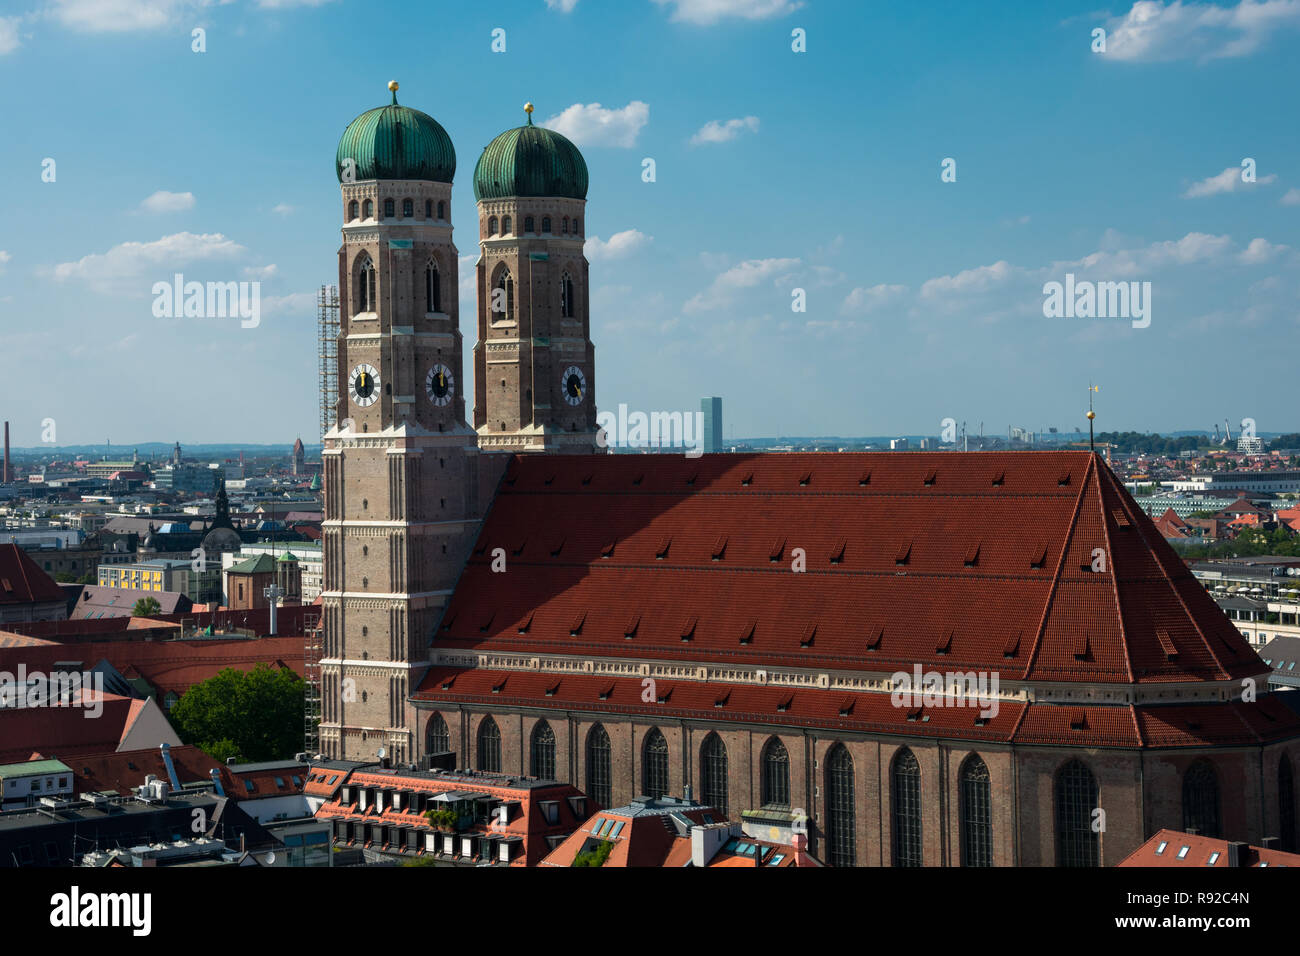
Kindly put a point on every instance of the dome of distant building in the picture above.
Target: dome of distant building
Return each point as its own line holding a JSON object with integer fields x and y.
{"x": 396, "y": 142}
{"x": 221, "y": 540}
{"x": 530, "y": 161}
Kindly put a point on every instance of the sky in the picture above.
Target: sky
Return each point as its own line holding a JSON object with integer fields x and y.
{"x": 852, "y": 238}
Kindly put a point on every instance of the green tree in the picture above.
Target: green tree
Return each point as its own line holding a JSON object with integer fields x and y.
{"x": 596, "y": 856}
{"x": 258, "y": 713}
{"x": 145, "y": 607}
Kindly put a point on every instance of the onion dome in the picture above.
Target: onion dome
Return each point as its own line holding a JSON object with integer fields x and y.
{"x": 396, "y": 142}
{"x": 530, "y": 161}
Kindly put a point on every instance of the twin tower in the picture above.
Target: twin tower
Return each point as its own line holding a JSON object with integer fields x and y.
{"x": 407, "y": 480}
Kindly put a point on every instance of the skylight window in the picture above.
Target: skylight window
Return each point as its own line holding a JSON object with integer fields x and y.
{"x": 1214, "y": 858}
{"x": 1182, "y": 853}
{"x": 1161, "y": 848}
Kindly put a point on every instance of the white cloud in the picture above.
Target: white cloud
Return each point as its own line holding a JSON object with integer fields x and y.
{"x": 282, "y": 209}
{"x": 979, "y": 279}
{"x": 746, "y": 275}
{"x": 863, "y": 300}
{"x": 1260, "y": 250}
{"x": 294, "y": 304}
{"x": 716, "y": 132}
{"x": 1154, "y": 31}
{"x": 8, "y": 34}
{"x": 619, "y": 246}
{"x": 1228, "y": 181}
{"x": 1195, "y": 247}
{"x": 1292, "y": 197}
{"x": 116, "y": 16}
{"x": 261, "y": 272}
{"x": 163, "y": 201}
{"x": 4, "y": 259}
{"x": 129, "y": 264}
{"x": 564, "y": 6}
{"x": 468, "y": 281}
{"x": 705, "y": 12}
{"x": 283, "y": 4}
{"x": 593, "y": 125}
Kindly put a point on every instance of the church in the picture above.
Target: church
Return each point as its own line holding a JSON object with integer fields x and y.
{"x": 732, "y": 627}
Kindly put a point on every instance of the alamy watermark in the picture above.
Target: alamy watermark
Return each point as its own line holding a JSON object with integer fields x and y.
{"x": 953, "y": 689}
{"x": 1098, "y": 300}
{"x": 212, "y": 300}
{"x": 654, "y": 430}
{"x": 83, "y": 689}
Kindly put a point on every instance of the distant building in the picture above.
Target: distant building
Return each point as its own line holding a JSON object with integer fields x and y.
{"x": 299, "y": 458}
{"x": 712, "y": 409}
{"x": 26, "y": 592}
{"x": 898, "y": 444}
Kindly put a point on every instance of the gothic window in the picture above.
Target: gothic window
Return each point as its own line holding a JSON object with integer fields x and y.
{"x": 505, "y": 226}
{"x": 1201, "y": 800}
{"x": 564, "y": 226}
{"x": 528, "y": 224}
{"x": 503, "y": 297}
{"x": 776, "y": 774}
{"x": 841, "y": 826}
{"x": 388, "y": 209}
{"x": 598, "y": 766}
{"x": 370, "y": 208}
{"x": 352, "y": 210}
{"x": 713, "y": 773}
{"x": 366, "y": 285}
{"x": 976, "y": 814}
{"x": 543, "y": 763}
{"x": 492, "y": 226}
{"x": 655, "y": 764}
{"x": 905, "y": 789}
{"x": 546, "y": 224}
{"x": 1076, "y": 797}
{"x": 432, "y": 289}
{"x": 408, "y": 209}
{"x": 437, "y": 738}
{"x": 428, "y": 209}
{"x": 566, "y": 296}
{"x": 442, "y": 210}
{"x": 577, "y": 227}
{"x": 1286, "y": 803}
{"x": 489, "y": 746}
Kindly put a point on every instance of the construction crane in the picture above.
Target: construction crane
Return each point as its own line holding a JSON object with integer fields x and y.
{"x": 1216, "y": 433}
{"x": 1228, "y": 431}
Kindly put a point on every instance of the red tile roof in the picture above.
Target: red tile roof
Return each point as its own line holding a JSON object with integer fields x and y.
{"x": 1165, "y": 849}
{"x": 52, "y": 730}
{"x": 22, "y": 581}
{"x": 988, "y": 555}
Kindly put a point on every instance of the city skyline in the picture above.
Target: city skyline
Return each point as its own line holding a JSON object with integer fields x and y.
{"x": 771, "y": 176}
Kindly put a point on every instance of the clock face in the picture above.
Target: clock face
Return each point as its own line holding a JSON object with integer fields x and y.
{"x": 441, "y": 385}
{"x": 364, "y": 385}
{"x": 575, "y": 385}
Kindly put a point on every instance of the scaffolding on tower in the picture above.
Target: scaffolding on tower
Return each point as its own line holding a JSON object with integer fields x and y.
{"x": 327, "y": 322}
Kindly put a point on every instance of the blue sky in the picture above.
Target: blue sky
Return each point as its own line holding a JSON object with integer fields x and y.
{"x": 775, "y": 170}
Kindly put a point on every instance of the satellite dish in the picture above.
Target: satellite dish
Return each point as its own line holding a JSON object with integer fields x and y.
{"x": 383, "y": 752}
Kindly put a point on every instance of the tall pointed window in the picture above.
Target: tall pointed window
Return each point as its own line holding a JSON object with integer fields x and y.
{"x": 654, "y": 764}
{"x": 564, "y": 226}
{"x": 428, "y": 209}
{"x": 546, "y": 224}
{"x": 841, "y": 825}
{"x": 566, "y": 296}
{"x": 543, "y": 763}
{"x": 370, "y": 208}
{"x": 598, "y": 766}
{"x": 905, "y": 788}
{"x": 1286, "y": 803}
{"x": 577, "y": 227}
{"x": 442, "y": 211}
{"x": 1201, "y": 800}
{"x": 776, "y": 774}
{"x": 976, "y": 814}
{"x": 352, "y": 210}
{"x": 1077, "y": 795}
{"x": 365, "y": 285}
{"x": 505, "y": 226}
{"x": 432, "y": 289}
{"x": 408, "y": 209}
{"x": 528, "y": 223}
{"x": 492, "y": 225}
{"x": 388, "y": 209}
{"x": 436, "y": 738}
{"x": 713, "y": 773}
{"x": 489, "y": 746}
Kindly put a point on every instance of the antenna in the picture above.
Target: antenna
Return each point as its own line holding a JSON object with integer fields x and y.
{"x": 1091, "y": 415}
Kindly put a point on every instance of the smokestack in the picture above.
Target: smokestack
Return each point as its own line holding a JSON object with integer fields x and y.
{"x": 8, "y": 472}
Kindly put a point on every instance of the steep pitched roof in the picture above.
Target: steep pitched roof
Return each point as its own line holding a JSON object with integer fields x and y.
{"x": 1037, "y": 565}
{"x": 22, "y": 581}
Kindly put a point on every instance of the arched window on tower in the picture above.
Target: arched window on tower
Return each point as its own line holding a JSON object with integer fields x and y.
{"x": 976, "y": 814}
{"x": 654, "y": 764}
{"x": 577, "y": 227}
{"x": 776, "y": 774}
{"x": 503, "y": 297}
{"x": 564, "y": 226}
{"x": 1286, "y": 803}
{"x": 408, "y": 209}
{"x": 566, "y": 296}
{"x": 713, "y": 773}
{"x": 442, "y": 210}
{"x": 543, "y": 762}
{"x": 388, "y": 209}
{"x": 1201, "y": 800}
{"x": 365, "y": 285}
{"x": 528, "y": 224}
{"x": 370, "y": 208}
{"x": 841, "y": 825}
{"x": 492, "y": 225}
{"x": 905, "y": 790}
{"x": 437, "y": 739}
{"x": 1076, "y": 797}
{"x": 352, "y": 210}
{"x": 598, "y": 766}
{"x": 546, "y": 224}
{"x": 489, "y": 746}
{"x": 505, "y": 226}
{"x": 432, "y": 288}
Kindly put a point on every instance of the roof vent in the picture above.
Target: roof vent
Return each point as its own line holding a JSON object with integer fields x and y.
{"x": 972, "y": 555}
{"x": 638, "y": 479}
{"x": 805, "y": 478}
{"x": 722, "y": 701}
{"x": 1167, "y": 644}
{"x": 873, "y": 638}
{"x": 999, "y": 478}
{"x": 629, "y": 629}
{"x": 1063, "y": 478}
{"x": 865, "y": 479}
{"x": 526, "y": 623}
{"x": 604, "y": 694}
{"x": 551, "y": 691}
{"x": 748, "y": 479}
{"x": 1121, "y": 519}
{"x": 720, "y": 548}
{"x": 487, "y": 622}
{"x": 945, "y": 644}
{"x": 930, "y": 476}
{"x": 662, "y": 551}
{"x": 809, "y": 635}
{"x": 785, "y": 703}
{"x": 576, "y": 627}
{"x": 559, "y": 546}
{"x": 520, "y": 548}
{"x": 777, "y": 549}
{"x": 607, "y": 549}
{"x": 904, "y": 552}
{"x": 1012, "y": 647}
{"x": 1079, "y": 720}
{"x": 747, "y": 635}
{"x": 688, "y": 629}
{"x": 1039, "y": 555}
{"x": 846, "y": 708}
{"x": 837, "y": 552}
{"x": 1082, "y": 647}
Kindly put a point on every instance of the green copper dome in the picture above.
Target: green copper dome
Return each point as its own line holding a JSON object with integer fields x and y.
{"x": 396, "y": 142}
{"x": 530, "y": 161}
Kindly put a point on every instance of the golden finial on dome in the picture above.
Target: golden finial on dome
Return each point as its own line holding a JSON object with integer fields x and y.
{"x": 392, "y": 85}
{"x": 528, "y": 108}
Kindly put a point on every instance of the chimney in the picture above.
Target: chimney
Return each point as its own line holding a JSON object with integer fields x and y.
{"x": 8, "y": 471}
{"x": 1237, "y": 855}
{"x": 1270, "y": 843}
